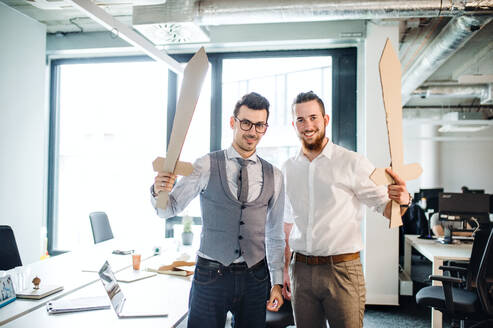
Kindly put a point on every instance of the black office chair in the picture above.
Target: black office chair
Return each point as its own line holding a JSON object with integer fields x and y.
{"x": 465, "y": 304}
{"x": 9, "y": 253}
{"x": 100, "y": 225}
{"x": 484, "y": 282}
{"x": 281, "y": 319}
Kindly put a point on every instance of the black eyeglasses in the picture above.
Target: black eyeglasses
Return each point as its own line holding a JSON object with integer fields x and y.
{"x": 246, "y": 125}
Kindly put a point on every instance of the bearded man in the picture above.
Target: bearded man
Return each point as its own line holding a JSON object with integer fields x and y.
{"x": 326, "y": 186}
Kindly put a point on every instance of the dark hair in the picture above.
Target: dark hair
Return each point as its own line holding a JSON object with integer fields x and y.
{"x": 304, "y": 97}
{"x": 253, "y": 101}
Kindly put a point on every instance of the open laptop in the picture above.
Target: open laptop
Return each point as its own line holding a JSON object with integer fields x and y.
{"x": 122, "y": 307}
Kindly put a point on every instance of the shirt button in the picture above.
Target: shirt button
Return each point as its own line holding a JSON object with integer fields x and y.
{"x": 240, "y": 237}
{"x": 237, "y": 251}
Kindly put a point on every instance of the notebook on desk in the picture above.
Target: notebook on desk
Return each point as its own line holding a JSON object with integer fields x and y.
{"x": 41, "y": 292}
{"x": 123, "y": 307}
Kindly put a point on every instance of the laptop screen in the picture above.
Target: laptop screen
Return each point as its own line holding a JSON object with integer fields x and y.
{"x": 112, "y": 288}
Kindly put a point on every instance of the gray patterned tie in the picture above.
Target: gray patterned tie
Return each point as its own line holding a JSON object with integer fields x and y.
{"x": 243, "y": 181}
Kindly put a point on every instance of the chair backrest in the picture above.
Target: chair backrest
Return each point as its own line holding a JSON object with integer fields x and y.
{"x": 478, "y": 246}
{"x": 484, "y": 280}
{"x": 100, "y": 225}
{"x": 9, "y": 253}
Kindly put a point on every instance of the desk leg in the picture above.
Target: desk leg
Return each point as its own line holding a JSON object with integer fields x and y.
{"x": 407, "y": 257}
{"x": 436, "y": 316}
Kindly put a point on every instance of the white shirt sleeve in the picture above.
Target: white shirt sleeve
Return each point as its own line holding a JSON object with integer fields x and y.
{"x": 373, "y": 196}
{"x": 186, "y": 189}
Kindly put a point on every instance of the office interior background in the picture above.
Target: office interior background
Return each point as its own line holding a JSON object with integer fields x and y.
{"x": 83, "y": 113}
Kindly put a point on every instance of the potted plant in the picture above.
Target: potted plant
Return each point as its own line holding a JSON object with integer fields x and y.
{"x": 187, "y": 234}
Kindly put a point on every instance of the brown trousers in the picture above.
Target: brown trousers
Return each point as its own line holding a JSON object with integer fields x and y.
{"x": 328, "y": 292}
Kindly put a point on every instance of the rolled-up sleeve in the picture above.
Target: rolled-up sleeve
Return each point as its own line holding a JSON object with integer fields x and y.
{"x": 274, "y": 231}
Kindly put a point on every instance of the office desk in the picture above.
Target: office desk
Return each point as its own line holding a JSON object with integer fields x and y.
{"x": 68, "y": 270}
{"x": 168, "y": 292}
{"x": 437, "y": 253}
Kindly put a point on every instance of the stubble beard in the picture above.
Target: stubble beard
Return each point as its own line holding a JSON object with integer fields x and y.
{"x": 243, "y": 145}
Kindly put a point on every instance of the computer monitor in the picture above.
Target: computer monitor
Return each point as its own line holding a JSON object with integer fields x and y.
{"x": 463, "y": 206}
{"x": 491, "y": 203}
{"x": 463, "y": 212}
{"x": 474, "y": 191}
{"x": 431, "y": 196}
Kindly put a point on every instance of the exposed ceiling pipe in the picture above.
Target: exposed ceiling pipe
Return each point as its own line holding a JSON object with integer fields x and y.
{"x": 224, "y": 12}
{"x": 452, "y": 37}
{"x": 216, "y": 12}
{"x": 452, "y": 91}
{"x": 436, "y": 112}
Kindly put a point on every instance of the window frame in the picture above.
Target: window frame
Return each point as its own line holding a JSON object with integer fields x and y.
{"x": 344, "y": 108}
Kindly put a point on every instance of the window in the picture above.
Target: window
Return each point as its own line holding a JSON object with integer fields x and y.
{"x": 110, "y": 117}
{"x": 111, "y": 125}
{"x": 279, "y": 80}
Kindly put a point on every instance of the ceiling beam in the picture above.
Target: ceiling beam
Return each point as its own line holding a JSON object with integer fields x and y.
{"x": 126, "y": 33}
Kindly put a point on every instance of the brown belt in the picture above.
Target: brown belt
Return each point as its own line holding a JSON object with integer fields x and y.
{"x": 313, "y": 260}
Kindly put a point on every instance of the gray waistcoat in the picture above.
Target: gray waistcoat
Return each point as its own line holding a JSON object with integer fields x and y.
{"x": 231, "y": 228}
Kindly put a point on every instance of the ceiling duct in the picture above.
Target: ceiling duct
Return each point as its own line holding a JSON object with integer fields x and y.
{"x": 223, "y": 12}
{"x": 452, "y": 37}
{"x": 481, "y": 91}
{"x": 189, "y": 15}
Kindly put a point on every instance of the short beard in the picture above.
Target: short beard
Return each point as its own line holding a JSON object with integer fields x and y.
{"x": 316, "y": 145}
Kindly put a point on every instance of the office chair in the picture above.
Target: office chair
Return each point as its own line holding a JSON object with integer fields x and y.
{"x": 484, "y": 282}
{"x": 100, "y": 225}
{"x": 281, "y": 319}
{"x": 464, "y": 304}
{"x": 9, "y": 253}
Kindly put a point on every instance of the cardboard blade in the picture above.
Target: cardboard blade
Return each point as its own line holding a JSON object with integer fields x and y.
{"x": 193, "y": 77}
{"x": 390, "y": 77}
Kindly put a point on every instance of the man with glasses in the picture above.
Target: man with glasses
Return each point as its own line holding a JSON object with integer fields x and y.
{"x": 326, "y": 186}
{"x": 242, "y": 203}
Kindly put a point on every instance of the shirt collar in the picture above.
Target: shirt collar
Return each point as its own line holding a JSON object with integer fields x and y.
{"x": 326, "y": 151}
{"x": 231, "y": 154}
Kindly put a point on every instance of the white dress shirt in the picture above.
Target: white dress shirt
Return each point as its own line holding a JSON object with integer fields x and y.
{"x": 324, "y": 200}
{"x": 187, "y": 188}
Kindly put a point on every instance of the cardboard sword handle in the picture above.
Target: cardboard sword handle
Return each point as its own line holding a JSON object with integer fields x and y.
{"x": 395, "y": 215}
{"x": 162, "y": 199}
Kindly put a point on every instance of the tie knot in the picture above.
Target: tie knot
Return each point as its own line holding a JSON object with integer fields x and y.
{"x": 243, "y": 162}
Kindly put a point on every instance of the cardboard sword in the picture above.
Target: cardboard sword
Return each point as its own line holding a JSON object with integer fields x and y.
{"x": 193, "y": 77}
{"x": 390, "y": 77}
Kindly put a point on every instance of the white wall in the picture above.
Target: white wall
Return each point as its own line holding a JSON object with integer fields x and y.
{"x": 381, "y": 254}
{"x": 421, "y": 148}
{"x": 461, "y": 159}
{"x": 23, "y": 129}
{"x": 467, "y": 163}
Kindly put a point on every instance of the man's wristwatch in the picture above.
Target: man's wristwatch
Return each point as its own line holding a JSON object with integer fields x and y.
{"x": 408, "y": 204}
